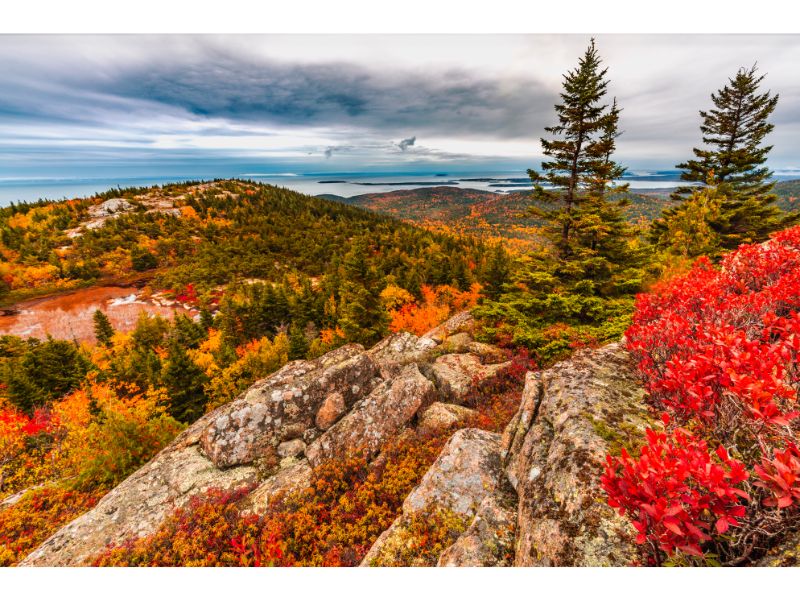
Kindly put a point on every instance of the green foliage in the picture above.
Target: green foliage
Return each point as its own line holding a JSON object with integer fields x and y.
{"x": 35, "y": 373}
{"x": 578, "y": 290}
{"x": 733, "y": 161}
{"x": 258, "y": 359}
{"x": 142, "y": 259}
{"x": 184, "y": 381}
{"x": 103, "y": 330}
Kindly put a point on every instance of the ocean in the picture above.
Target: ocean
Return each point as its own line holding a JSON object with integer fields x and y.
{"x": 339, "y": 184}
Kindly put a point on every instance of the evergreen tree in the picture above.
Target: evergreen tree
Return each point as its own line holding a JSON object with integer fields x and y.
{"x": 206, "y": 319}
{"x": 103, "y": 329}
{"x": 496, "y": 272}
{"x": 362, "y": 317}
{"x": 733, "y": 161}
{"x": 184, "y": 381}
{"x": 39, "y": 372}
{"x": 580, "y": 204}
{"x": 298, "y": 344}
{"x": 142, "y": 259}
{"x": 733, "y": 133}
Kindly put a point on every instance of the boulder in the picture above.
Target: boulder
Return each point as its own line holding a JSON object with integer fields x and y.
{"x": 284, "y": 406}
{"x": 462, "y": 322}
{"x": 457, "y": 343}
{"x": 110, "y": 207}
{"x": 291, "y": 448}
{"x": 138, "y": 506}
{"x": 293, "y": 478}
{"x": 373, "y": 420}
{"x": 398, "y": 350}
{"x": 570, "y": 417}
{"x": 457, "y": 375}
{"x": 440, "y": 415}
{"x": 489, "y": 354}
{"x": 489, "y": 540}
{"x": 468, "y": 469}
{"x": 332, "y": 408}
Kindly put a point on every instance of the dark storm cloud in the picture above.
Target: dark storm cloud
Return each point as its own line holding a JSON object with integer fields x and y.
{"x": 407, "y": 143}
{"x": 213, "y": 83}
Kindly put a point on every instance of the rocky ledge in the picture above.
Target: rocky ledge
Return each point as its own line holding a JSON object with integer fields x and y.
{"x": 270, "y": 438}
{"x": 530, "y": 496}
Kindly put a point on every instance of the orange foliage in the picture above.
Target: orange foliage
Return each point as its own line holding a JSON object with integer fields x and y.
{"x": 36, "y": 516}
{"x": 438, "y": 303}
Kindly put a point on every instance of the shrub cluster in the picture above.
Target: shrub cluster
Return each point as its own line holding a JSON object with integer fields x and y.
{"x": 718, "y": 350}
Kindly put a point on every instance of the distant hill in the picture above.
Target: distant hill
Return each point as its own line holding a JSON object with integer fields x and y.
{"x": 494, "y": 215}
{"x": 489, "y": 215}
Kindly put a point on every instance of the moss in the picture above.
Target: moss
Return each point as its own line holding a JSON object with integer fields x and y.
{"x": 622, "y": 435}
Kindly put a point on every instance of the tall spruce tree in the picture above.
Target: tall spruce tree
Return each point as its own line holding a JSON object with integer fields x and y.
{"x": 575, "y": 192}
{"x": 103, "y": 330}
{"x": 184, "y": 381}
{"x": 733, "y": 162}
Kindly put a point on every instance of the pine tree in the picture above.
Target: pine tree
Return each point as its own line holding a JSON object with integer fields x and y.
{"x": 298, "y": 344}
{"x": 362, "y": 317}
{"x": 103, "y": 329}
{"x": 733, "y": 160}
{"x": 733, "y": 132}
{"x": 496, "y": 272}
{"x": 184, "y": 381}
{"x": 586, "y": 225}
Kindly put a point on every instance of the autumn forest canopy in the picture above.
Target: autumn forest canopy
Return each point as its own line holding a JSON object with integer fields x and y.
{"x": 705, "y": 293}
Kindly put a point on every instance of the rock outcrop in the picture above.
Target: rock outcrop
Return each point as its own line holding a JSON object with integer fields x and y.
{"x": 468, "y": 470}
{"x": 284, "y": 407}
{"x": 269, "y": 439}
{"x": 376, "y": 418}
{"x": 533, "y": 496}
{"x": 489, "y": 539}
{"x": 441, "y": 415}
{"x": 528, "y": 497}
{"x": 459, "y": 375}
{"x": 139, "y": 505}
{"x": 570, "y": 417}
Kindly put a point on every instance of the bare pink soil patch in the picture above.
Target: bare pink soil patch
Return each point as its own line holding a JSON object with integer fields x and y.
{"x": 69, "y": 316}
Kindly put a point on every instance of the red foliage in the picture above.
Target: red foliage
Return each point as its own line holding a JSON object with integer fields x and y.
{"x": 14, "y": 420}
{"x": 675, "y": 492}
{"x": 719, "y": 351}
{"x": 781, "y": 477}
{"x": 188, "y": 296}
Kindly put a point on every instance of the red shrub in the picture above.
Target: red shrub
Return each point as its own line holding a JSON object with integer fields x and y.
{"x": 675, "y": 492}
{"x": 719, "y": 351}
{"x": 781, "y": 477}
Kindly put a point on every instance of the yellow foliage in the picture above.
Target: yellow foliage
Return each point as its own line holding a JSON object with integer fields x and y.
{"x": 393, "y": 297}
{"x": 257, "y": 359}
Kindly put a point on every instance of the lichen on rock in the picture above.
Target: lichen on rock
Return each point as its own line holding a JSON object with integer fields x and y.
{"x": 554, "y": 456}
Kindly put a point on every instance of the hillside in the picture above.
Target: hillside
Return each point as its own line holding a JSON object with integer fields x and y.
{"x": 130, "y": 315}
{"x": 404, "y": 397}
{"x": 441, "y": 450}
{"x": 492, "y": 215}
{"x": 410, "y": 469}
{"x": 487, "y": 215}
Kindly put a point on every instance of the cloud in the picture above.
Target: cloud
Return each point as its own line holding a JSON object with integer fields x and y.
{"x": 471, "y": 98}
{"x": 407, "y": 143}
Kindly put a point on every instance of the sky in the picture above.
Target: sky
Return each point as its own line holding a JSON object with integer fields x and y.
{"x": 206, "y": 105}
